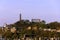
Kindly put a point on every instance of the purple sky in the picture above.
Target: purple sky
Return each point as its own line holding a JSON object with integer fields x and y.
{"x": 48, "y": 10}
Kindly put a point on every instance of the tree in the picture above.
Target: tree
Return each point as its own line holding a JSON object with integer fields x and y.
{"x": 53, "y": 25}
{"x": 7, "y": 34}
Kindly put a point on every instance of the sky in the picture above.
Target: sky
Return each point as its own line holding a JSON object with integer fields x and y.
{"x": 48, "y": 10}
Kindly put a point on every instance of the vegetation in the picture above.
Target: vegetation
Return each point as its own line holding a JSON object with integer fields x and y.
{"x": 35, "y": 29}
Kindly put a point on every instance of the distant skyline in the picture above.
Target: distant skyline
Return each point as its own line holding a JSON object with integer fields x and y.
{"x": 48, "y": 10}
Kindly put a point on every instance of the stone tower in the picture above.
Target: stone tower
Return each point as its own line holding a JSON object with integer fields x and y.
{"x": 20, "y": 17}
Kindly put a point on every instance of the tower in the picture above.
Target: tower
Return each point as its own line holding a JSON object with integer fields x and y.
{"x": 20, "y": 16}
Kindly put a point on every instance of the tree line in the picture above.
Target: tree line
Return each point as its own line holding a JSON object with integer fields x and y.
{"x": 31, "y": 29}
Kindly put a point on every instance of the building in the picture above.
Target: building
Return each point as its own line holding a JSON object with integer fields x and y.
{"x": 35, "y": 20}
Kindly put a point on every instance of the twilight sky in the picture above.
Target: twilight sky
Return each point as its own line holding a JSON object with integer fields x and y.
{"x": 48, "y": 10}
